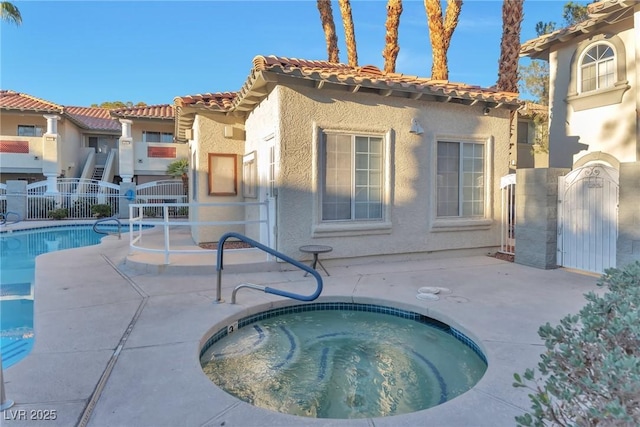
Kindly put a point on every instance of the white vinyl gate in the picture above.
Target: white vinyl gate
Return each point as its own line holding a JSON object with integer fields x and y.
{"x": 588, "y": 218}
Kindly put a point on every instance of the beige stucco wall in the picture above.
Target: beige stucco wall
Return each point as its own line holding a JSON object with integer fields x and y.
{"x": 9, "y": 122}
{"x": 72, "y": 157}
{"x": 612, "y": 128}
{"x": 209, "y": 138}
{"x": 69, "y": 143}
{"x": 413, "y": 226}
{"x": 145, "y": 167}
{"x": 139, "y": 126}
{"x": 18, "y": 162}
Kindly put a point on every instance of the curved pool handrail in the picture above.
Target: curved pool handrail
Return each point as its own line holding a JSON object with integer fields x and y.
{"x": 111, "y": 218}
{"x": 4, "y": 217}
{"x": 275, "y": 253}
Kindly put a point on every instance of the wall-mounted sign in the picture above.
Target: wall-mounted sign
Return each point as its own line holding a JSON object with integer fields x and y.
{"x": 223, "y": 174}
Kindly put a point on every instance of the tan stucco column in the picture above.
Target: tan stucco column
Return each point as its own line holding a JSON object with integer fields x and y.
{"x": 50, "y": 158}
{"x": 125, "y": 152}
{"x": 636, "y": 26}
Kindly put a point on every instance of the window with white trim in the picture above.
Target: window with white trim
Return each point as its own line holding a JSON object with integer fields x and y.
{"x": 29, "y": 130}
{"x": 157, "y": 136}
{"x": 461, "y": 179}
{"x": 597, "y": 68}
{"x": 352, "y": 177}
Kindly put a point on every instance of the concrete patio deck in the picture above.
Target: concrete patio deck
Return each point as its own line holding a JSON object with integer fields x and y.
{"x": 118, "y": 345}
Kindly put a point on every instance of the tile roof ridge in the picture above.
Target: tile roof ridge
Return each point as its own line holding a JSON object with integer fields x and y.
{"x": 595, "y": 11}
{"x": 80, "y": 106}
{"x": 35, "y": 98}
{"x": 264, "y": 62}
{"x": 142, "y": 106}
{"x": 601, "y": 5}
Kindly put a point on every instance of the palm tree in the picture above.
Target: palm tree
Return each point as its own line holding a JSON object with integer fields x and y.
{"x": 391, "y": 48}
{"x": 326, "y": 16}
{"x": 512, "y": 14}
{"x": 349, "y": 32}
{"x": 179, "y": 169}
{"x": 440, "y": 34}
{"x": 10, "y": 13}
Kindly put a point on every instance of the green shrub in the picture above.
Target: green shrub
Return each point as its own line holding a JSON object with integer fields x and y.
{"x": 183, "y": 211}
{"x": 590, "y": 373}
{"x": 101, "y": 210}
{"x": 61, "y": 213}
{"x": 150, "y": 212}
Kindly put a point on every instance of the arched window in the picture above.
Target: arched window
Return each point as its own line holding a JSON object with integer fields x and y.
{"x": 597, "y": 68}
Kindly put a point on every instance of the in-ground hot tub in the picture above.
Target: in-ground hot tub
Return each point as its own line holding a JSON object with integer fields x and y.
{"x": 342, "y": 360}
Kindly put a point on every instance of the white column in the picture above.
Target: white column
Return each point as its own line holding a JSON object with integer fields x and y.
{"x": 52, "y": 123}
{"x": 51, "y": 166}
{"x": 126, "y": 152}
{"x": 126, "y": 128}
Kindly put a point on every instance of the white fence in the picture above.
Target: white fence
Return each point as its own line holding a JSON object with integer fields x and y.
{"x": 165, "y": 191}
{"x": 508, "y": 223}
{"x": 74, "y": 198}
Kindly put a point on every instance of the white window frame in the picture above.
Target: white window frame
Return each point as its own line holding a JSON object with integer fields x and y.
{"x": 161, "y": 134}
{"x": 613, "y": 60}
{"x": 37, "y": 130}
{"x": 455, "y": 223}
{"x": 351, "y": 227}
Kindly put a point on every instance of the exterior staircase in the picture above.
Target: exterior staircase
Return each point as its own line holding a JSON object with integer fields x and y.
{"x": 98, "y": 172}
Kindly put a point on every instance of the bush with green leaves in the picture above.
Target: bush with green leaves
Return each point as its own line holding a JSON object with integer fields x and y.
{"x": 60, "y": 213}
{"x": 101, "y": 210}
{"x": 590, "y": 372}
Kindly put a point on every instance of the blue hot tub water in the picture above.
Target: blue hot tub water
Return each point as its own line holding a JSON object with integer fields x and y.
{"x": 343, "y": 360}
{"x": 18, "y": 251}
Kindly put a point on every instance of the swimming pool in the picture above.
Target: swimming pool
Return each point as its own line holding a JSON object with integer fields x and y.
{"x": 18, "y": 251}
{"x": 342, "y": 360}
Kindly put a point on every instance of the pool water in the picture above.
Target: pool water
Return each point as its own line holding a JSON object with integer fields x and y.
{"x": 343, "y": 364}
{"x": 18, "y": 251}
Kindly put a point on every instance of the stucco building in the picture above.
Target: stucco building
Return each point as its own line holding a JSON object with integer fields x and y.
{"x": 594, "y": 143}
{"x": 368, "y": 162}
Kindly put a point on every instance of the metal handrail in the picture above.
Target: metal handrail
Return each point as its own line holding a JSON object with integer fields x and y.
{"x": 5, "y": 215}
{"x": 266, "y": 289}
{"x": 111, "y": 218}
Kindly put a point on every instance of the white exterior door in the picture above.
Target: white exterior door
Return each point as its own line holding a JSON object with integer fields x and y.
{"x": 588, "y": 218}
{"x": 268, "y": 167}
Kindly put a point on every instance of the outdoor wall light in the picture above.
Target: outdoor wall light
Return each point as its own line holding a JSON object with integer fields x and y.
{"x": 486, "y": 111}
{"x": 416, "y": 128}
{"x": 139, "y": 160}
{"x": 36, "y": 158}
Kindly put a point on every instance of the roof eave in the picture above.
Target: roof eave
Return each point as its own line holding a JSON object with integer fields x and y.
{"x": 411, "y": 91}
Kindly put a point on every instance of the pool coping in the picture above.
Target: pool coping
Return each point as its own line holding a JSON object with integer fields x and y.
{"x": 148, "y": 329}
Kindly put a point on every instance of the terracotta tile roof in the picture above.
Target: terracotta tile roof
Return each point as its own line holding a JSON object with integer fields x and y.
{"x": 220, "y": 100}
{"x": 372, "y": 76}
{"x": 11, "y": 100}
{"x": 367, "y": 76}
{"x": 531, "y": 109}
{"x": 164, "y": 111}
{"x": 600, "y": 14}
{"x": 323, "y": 73}
{"x": 92, "y": 118}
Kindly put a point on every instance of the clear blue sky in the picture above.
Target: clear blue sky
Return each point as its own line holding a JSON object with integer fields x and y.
{"x": 78, "y": 53}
